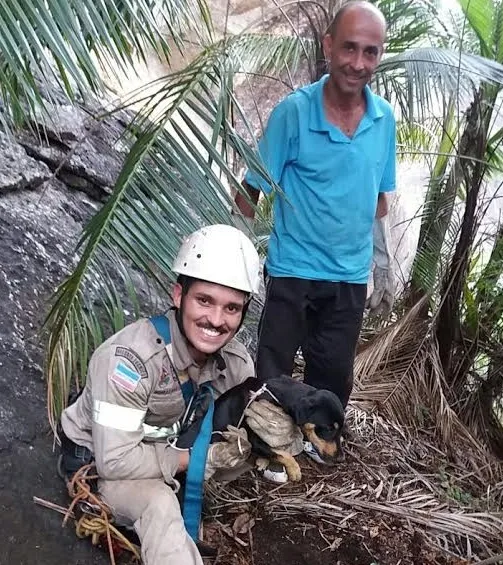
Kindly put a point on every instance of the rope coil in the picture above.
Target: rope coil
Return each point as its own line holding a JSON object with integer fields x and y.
{"x": 93, "y": 518}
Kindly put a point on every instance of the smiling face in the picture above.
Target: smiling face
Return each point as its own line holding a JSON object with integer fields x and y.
{"x": 354, "y": 48}
{"x": 211, "y": 315}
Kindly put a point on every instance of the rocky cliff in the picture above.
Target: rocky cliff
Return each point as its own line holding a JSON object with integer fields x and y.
{"x": 50, "y": 185}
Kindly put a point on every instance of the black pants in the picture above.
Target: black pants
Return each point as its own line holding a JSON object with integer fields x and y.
{"x": 324, "y": 318}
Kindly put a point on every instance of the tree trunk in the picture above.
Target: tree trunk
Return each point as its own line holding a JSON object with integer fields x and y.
{"x": 474, "y": 144}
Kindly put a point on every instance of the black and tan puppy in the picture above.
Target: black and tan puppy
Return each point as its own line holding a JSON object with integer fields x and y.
{"x": 319, "y": 414}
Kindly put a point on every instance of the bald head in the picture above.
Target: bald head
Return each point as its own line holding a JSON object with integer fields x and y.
{"x": 354, "y": 8}
{"x": 354, "y": 45}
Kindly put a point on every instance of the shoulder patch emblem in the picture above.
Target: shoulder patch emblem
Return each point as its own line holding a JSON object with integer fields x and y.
{"x": 133, "y": 358}
{"x": 125, "y": 377}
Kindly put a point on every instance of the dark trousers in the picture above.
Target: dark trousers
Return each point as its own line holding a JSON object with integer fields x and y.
{"x": 324, "y": 318}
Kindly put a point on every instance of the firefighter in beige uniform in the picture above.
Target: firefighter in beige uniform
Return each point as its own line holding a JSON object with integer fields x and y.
{"x": 133, "y": 391}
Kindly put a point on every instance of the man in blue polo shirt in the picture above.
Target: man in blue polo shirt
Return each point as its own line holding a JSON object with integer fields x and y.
{"x": 331, "y": 148}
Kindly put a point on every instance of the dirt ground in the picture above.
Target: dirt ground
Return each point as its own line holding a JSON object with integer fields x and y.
{"x": 34, "y": 534}
{"x": 366, "y": 538}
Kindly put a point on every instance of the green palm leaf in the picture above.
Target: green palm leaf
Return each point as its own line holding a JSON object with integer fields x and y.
{"x": 175, "y": 179}
{"x": 424, "y": 77}
{"x": 481, "y": 16}
{"x": 69, "y": 43}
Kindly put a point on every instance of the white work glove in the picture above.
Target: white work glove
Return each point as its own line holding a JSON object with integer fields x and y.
{"x": 383, "y": 295}
{"x": 228, "y": 454}
{"x": 274, "y": 426}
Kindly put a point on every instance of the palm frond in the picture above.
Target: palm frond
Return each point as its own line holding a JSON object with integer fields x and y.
{"x": 401, "y": 373}
{"x": 176, "y": 178}
{"x": 480, "y": 15}
{"x": 409, "y": 23}
{"x": 427, "y": 76}
{"x": 438, "y": 209}
{"x": 68, "y": 44}
{"x": 415, "y": 139}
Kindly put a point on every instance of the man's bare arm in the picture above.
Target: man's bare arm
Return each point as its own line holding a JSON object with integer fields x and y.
{"x": 382, "y": 205}
{"x": 242, "y": 204}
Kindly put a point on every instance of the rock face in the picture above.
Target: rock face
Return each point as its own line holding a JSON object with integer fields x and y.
{"x": 49, "y": 188}
{"x": 83, "y": 153}
{"x": 38, "y": 230}
{"x": 17, "y": 169}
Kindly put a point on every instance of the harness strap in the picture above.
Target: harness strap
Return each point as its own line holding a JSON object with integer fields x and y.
{"x": 161, "y": 325}
{"x": 187, "y": 391}
{"x": 193, "y": 498}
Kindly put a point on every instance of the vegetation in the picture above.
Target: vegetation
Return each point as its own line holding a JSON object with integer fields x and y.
{"x": 192, "y": 138}
{"x": 433, "y": 372}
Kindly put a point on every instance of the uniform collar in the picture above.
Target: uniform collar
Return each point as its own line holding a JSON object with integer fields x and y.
{"x": 317, "y": 120}
{"x": 183, "y": 360}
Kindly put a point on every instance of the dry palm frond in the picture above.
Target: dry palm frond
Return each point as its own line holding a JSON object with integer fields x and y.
{"x": 482, "y": 527}
{"x": 390, "y": 340}
{"x": 400, "y": 374}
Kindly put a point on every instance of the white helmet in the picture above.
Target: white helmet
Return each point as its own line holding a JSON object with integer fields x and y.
{"x": 220, "y": 254}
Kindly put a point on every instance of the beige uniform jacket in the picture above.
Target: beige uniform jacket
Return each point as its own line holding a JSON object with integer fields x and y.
{"x": 131, "y": 381}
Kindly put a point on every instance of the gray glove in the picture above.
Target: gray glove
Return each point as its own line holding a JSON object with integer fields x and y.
{"x": 274, "y": 426}
{"x": 228, "y": 454}
{"x": 382, "y": 297}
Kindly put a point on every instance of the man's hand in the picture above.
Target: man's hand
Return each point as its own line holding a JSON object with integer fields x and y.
{"x": 382, "y": 297}
{"x": 183, "y": 460}
{"x": 243, "y": 210}
{"x": 246, "y": 206}
{"x": 228, "y": 454}
{"x": 274, "y": 426}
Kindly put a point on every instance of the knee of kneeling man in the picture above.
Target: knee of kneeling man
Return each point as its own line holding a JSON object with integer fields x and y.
{"x": 164, "y": 504}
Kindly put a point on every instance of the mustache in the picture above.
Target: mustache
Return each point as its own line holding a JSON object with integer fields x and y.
{"x": 208, "y": 326}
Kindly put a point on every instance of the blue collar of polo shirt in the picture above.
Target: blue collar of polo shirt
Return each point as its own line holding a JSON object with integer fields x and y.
{"x": 317, "y": 121}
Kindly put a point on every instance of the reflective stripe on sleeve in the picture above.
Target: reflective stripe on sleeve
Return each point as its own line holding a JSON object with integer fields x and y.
{"x": 117, "y": 417}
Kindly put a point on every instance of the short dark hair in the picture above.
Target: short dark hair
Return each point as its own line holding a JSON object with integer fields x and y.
{"x": 332, "y": 28}
{"x": 185, "y": 282}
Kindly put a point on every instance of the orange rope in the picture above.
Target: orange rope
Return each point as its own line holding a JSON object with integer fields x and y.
{"x": 96, "y": 522}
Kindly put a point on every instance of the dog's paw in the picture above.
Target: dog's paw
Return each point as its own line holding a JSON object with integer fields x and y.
{"x": 261, "y": 463}
{"x": 293, "y": 471}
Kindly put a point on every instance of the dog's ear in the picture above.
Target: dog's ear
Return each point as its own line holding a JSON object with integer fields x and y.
{"x": 307, "y": 407}
{"x": 322, "y": 407}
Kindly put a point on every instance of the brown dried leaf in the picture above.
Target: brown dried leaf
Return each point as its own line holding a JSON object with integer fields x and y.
{"x": 335, "y": 544}
{"x": 228, "y": 531}
{"x": 243, "y": 524}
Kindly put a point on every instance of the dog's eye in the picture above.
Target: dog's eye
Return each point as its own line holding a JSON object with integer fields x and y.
{"x": 336, "y": 426}
{"x": 328, "y": 433}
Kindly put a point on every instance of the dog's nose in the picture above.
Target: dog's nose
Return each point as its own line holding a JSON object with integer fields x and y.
{"x": 339, "y": 457}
